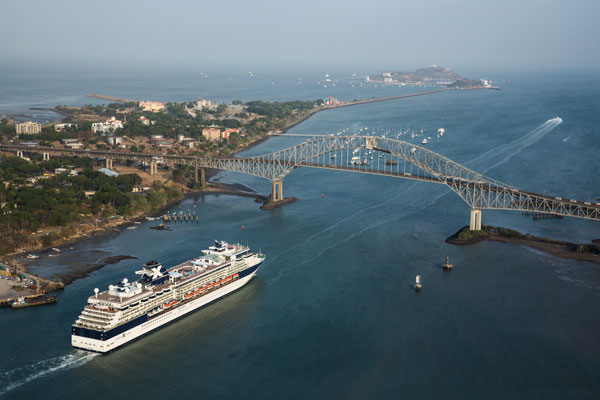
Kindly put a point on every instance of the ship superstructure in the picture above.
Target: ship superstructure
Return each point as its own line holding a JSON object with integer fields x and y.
{"x": 129, "y": 310}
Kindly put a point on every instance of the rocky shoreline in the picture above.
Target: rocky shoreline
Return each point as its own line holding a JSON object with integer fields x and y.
{"x": 589, "y": 252}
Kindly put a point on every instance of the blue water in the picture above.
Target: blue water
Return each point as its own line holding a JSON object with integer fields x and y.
{"x": 332, "y": 313}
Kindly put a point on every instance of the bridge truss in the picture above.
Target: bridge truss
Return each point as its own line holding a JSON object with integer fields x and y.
{"x": 368, "y": 155}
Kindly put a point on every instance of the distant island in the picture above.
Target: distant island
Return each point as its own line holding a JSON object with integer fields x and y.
{"x": 432, "y": 75}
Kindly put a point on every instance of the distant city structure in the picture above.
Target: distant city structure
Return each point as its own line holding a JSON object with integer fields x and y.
{"x": 152, "y": 106}
{"x": 110, "y": 125}
{"x": 63, "y": 126}
{"x": 212, "y": 134}
{"x": 28, "y": 128}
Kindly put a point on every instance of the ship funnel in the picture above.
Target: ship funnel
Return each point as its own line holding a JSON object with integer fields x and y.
{"x": 96, "y": 290}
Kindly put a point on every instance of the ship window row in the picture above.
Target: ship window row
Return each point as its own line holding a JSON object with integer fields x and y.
{"x": 98, "y": 313}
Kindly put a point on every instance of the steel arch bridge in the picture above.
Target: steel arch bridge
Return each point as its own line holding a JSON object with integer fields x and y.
{"x": 368, "y": 155}
{"x": 396, "y": 158}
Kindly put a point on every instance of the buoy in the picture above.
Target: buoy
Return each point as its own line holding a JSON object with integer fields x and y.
{"x": 447, "y": 265}
{"x": 418, "y": 283}
{"x": 242, "y": 227}
{"x": 322, "y": 195}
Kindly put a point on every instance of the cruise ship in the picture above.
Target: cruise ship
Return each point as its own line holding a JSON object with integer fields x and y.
{"x": 129, "y": 310}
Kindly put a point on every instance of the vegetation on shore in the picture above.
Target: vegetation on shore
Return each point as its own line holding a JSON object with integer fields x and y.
{"x": 465, "y": 236}
{"x": 32, "y": 201}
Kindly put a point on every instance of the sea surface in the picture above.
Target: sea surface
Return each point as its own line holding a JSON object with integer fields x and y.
{"x": 332, "y": 312}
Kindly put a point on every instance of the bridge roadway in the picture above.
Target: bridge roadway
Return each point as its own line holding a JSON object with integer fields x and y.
{"x": 342, "y": 153}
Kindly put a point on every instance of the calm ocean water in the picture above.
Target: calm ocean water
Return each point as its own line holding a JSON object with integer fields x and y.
{"x": 332, "y": 313}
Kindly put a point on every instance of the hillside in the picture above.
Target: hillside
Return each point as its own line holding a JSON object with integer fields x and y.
{"x": 421, "y": 75}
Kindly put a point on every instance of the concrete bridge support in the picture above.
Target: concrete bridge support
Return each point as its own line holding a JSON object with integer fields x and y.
{"x": 45, "y": 156}
{"x": 277, "y": 190}
{"x": 153, "y": 168}
{"x": 20, "y": 153}
{"x": 202, "y": 178}
{"x": 475, "y": 224}
{"x": 109, "y": 163}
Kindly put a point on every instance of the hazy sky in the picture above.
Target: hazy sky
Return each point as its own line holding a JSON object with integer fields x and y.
{"x": 375, "y": 34}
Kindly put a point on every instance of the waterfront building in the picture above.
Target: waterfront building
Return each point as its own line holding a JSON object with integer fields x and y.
{"x": 152, "y": 106}
{"x": 28, "y": 128}
{"x": 211, "y": 133}
{"x": 110, "y": 125}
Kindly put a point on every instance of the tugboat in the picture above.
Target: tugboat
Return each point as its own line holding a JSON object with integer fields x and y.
{"x": 22, "y": 302}
{"x": 418, "y": 283}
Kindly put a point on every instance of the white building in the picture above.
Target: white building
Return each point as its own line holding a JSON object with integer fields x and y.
{"x": 61, "y": 127}
{"x": 108, "y": 126}
{"x": 28, "y": 127}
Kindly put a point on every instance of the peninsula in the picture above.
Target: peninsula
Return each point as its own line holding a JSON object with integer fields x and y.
{"x": 433, "y": 75}
{"x": 589, "y": 252}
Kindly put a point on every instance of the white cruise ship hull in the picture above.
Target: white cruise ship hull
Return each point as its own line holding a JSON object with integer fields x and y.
{"x": 104, "y": 346}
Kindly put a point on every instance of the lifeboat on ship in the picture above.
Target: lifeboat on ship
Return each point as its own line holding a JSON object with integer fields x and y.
{"x": 167, "y": 305}
{"x": 223, "y": 281}
{"x": 236, "y": 275}
{"x": 228, "y": 279}
{"x": 188, "y": 296}
{"x": 217, "y": 284}
{"x": 209, "y": 286}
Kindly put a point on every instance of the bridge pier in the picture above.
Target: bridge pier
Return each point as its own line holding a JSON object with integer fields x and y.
{"x": 20, "y": 153}
{"x": 202, "y": 178}
{"x": 109, "y": 163}
{"x": 277, "y": 190}
{"x": 475, "y": 224}
{"x": 45, "y": 156}
{"x": 153, "y": 168}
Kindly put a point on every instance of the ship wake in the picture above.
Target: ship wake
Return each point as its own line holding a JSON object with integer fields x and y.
{"x": 14, "y": 378}
{"x": 503, "y": 153}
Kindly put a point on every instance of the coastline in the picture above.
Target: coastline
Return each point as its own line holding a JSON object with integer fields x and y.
{"x": 557, "y": 248}
{"x": 216, "y": 189}
{"x": 83, "y": 271}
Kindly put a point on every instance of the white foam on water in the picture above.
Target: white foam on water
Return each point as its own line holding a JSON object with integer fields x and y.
{"x": 14, "y": 378}
{"x": 489, "y": 159}
{"x": 566, "y": 139}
